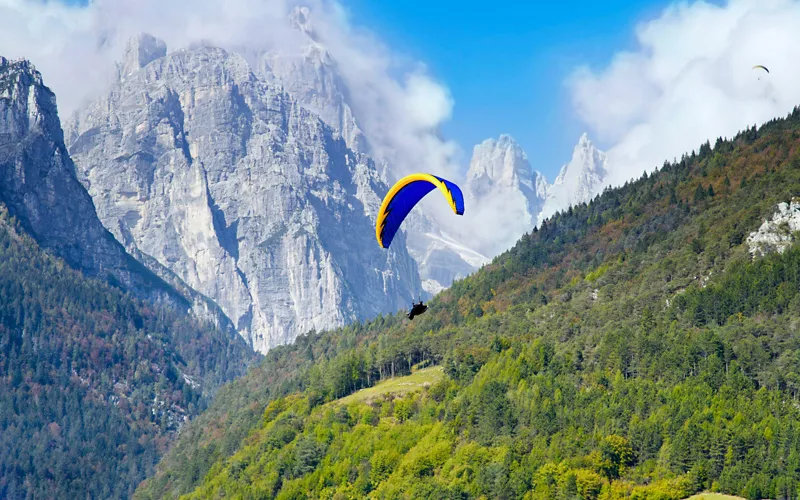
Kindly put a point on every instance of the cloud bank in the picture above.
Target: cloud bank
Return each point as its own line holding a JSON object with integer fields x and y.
{"x": 398, "y": 105}
{"x": 690, "y": 79}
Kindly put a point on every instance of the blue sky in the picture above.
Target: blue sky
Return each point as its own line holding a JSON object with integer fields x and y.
{"x": 505, "y": 63}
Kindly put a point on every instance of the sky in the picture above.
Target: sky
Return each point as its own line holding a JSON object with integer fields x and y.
{"x": 648, "y": 80}
{"x": 506, "y": 66}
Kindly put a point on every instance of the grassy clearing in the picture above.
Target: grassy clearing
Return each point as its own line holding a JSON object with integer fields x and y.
{"x": 398, "y": 386}
{"x": 713, "y": 496}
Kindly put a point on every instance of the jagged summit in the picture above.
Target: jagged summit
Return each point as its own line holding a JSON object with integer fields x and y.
{"x": 579, "y": 180}
{"x": 20, "y": 67}
{"x": 501, "y": 162}
{"x": 505, "y": 194}
{"x": 30, "y": 106}
{"x": 309, "y": 73}
{"x": 140, "y": 51}
{"x": 510, "y": 198}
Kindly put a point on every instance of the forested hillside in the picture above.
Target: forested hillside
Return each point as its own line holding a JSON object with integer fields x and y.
{"x": 93, "y": 383}
{"x": 630, "y": 347}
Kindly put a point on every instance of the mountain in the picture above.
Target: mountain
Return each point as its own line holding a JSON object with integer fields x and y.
{"x": 94, "y": 382}
{"x": 207, "y": 173}
{"x": 579, "y": 180}
{"x": 504, "y": 193}
{"x": 310, "y": 75}
{"x": 508, "y": 198}
{"x": 631, "y": 347}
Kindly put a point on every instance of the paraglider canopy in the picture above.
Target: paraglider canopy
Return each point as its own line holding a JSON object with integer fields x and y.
{"x": 758, "y": 66}
{"x": 404, "y": 195}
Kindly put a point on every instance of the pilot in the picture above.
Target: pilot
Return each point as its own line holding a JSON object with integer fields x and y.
{"x": 417, "y": 309}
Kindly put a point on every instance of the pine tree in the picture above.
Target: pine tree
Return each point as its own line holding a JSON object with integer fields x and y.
{"x": 700, "y": 193}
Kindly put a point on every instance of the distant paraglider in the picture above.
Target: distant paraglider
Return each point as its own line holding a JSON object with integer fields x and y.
{"x": 758, "y": 66}
{"x": 404, "y": 195}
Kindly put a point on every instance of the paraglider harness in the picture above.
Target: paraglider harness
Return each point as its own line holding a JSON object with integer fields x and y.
{"x": 417, "y": 309}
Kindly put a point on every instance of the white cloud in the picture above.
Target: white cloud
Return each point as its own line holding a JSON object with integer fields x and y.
{"x": 399, "y": 106}
{"x": 690, "y": 79}
{"x": 76, "y": 47}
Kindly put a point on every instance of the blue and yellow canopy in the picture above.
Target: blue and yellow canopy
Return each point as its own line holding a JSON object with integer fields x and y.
{"x": 404, "y": 195}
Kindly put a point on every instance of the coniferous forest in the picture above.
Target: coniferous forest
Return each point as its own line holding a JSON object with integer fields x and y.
{"x": 93, "y": 383}
{"x": 632, "y": 347}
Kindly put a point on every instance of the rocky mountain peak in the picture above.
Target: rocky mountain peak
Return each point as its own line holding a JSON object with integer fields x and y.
{"x": 579, "y": 180}
{"x": 140, "y": 51}
{"x": 506, "y": 194}
{"x": 502, "y": 163}
{"x": 585, "y": 171}
{"x": 30, "y": 107}
{"x": 309, "y": 73}
{"x": 11, "y": 70}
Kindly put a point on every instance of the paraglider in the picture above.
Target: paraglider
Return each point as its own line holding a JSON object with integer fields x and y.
{"x": 401, "y": 199}
{"x": 758, "y": 66}
{"x": 404, "y": 195}
{"x": 417, "y": 309}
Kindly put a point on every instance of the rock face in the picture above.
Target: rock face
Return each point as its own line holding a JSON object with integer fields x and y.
{"x": 309, "y": 74}
{"x": 311, "y": 78}
{"x": 504, "y": 193}
{"x": 140, "y": 52}
{"x": 39, "y": 186}
{"x": 776, "y": 235}
{"x": 221, "y": 179}
{"x": 579, "y": 180}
